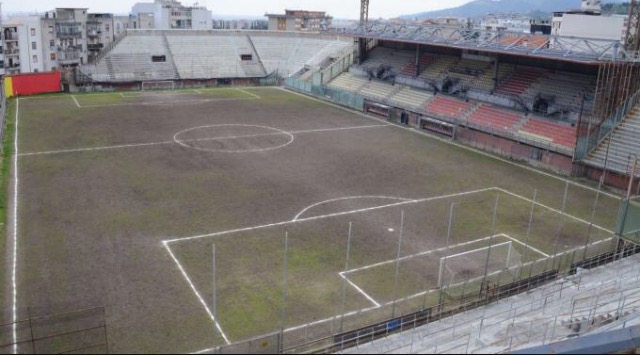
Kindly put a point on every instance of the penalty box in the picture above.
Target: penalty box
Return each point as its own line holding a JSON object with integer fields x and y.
{"x": 249, "y": 262}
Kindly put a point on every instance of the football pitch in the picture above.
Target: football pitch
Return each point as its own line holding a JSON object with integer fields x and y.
{"x": 199, "y": 218}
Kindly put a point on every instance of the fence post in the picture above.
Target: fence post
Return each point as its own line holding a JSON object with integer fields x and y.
{"x": 395, "y": 283}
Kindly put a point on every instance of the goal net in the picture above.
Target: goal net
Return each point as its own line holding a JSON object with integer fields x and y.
{"x": 158, "y": 85}
{"x": 471, "y": 265}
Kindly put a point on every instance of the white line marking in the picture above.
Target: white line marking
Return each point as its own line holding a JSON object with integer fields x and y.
{"x": 347, "y": 198}
{"x": 339, "y": 128}
{"x": 76, "y": 101}
{"x": 279, "y": 132}
{"x": 134, "y": 145}
{"x": 407, "y": 257}
{"x": 526, "y": 246}
{"x": 450, "y": 142}
{"x": 327, "y": 216}
{"x": 360, "y": 290}
{"x": 96, "y": 148}
{"x": 15, "y": 233}
{"x": 193, "y": 288}
{"x": 555, "y": 210}
{"x": 249, "y": 93}
{"x": 176, "y": 102}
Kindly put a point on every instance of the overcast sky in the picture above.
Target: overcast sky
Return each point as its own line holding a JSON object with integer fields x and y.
{"x": 336, "y": 8}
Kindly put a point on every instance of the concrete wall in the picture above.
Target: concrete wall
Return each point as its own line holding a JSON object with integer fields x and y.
{"x": 597, "y": 27}
{"x": 201, "y": 19}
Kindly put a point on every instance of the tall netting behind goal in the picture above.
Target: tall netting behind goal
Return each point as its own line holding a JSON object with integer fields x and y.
{"x": 157, "y": 85}
{"x": 472, "y": 265}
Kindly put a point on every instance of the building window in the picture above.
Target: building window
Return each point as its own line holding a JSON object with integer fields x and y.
{"x": 53, "y": 56}
{"x": 246, "y": 57}
{"x": 34, "y": 45}
{"x": 33, "y": 31}
{"x": 106, "y": 28}
{"x": 52, "y": 43}
{"x": 158, "y": 58}
{"x": 35, "y": 59}
{"x": 50, "y": 29}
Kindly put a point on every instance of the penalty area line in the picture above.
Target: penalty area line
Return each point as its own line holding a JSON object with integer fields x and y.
{"x": 359, "y": 290}
{"x": 249, "y": 93}
{"x": 193, "y": 288}
{"x": 337, "y": 214}
{"x": 76, "y": 101}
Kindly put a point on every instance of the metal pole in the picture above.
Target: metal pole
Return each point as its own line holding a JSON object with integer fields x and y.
{"x": 284, "y": 282}
{"x": 533, "y": 209}
{"x": 444, "y": 265}
{"x": 215, "y": 301}
{"x": 564, "y": 199}
{"x": 395, "y": 283}
{"x": 632, "y": 177}
{"x": 493, "y": 228}
{"x": 344, "y": 279}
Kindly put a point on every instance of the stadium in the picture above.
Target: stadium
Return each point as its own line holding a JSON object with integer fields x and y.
{"x": 270, "y": 192}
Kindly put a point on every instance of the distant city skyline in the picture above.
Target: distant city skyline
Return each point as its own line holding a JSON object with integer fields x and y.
{"x": 248, "y": 8}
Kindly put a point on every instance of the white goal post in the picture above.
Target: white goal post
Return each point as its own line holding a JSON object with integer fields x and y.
{"x": 465, "y": 266}
{"x": 158, "y": 85}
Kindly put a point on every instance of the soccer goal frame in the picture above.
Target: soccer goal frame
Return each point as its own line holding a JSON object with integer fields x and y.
{"x": 512, "y": 258}
{"x": 157, "y": 85}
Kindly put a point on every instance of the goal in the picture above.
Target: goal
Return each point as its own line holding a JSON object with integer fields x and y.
{"x": 470, "y": 265}
{"x": 157, "y": 85}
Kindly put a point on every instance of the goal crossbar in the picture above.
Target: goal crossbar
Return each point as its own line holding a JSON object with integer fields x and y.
{"x": 511, "y": 255}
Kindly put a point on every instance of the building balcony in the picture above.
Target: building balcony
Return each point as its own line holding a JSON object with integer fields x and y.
{"x": 67, "y": 34}
{"x": 95, "y": 46}
{"x": 68, "y": 57}
{"x": 94, "y": 33}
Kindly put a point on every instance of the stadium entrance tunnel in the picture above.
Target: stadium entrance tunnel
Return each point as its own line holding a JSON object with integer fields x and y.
{"x": 233, "y": 138}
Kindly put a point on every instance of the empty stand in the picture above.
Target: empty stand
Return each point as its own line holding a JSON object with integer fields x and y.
{"x": 212, "y": 54}
{"x": 450, "y": 107}
{"x": 520, "y": 81}
{"x": 424, "y": 61}
{"x": 495, "y": 118}
{"x": 556, "y": 133}
{"x": 396, "y": 59}
{"x": 408, "y": 97}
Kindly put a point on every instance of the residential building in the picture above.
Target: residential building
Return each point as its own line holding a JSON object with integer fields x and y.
{"x": 512, "y": 22}
{"x": 171, "y": 14}
{"x": 299, "y": 20}
{"x": 589, "y": 23}
{"x": 22, "y": 45}
{"x": 71, "y": 36}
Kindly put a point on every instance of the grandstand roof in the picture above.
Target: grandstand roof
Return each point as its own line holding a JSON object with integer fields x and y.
{"x": 570, "y": 49}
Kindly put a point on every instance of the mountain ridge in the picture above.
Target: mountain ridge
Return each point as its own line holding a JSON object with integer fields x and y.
{"x": 479, "y": 8}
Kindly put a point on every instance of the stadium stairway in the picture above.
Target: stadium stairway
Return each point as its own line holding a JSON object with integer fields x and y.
{"x": 622, "y": 143}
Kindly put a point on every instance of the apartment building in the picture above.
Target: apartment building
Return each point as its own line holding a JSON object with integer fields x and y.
{"x": 171, "y": 14}
{"x": 299, "y": 20}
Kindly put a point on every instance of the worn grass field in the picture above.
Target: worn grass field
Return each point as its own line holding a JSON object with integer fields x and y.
{"x": 123, "y": 196}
